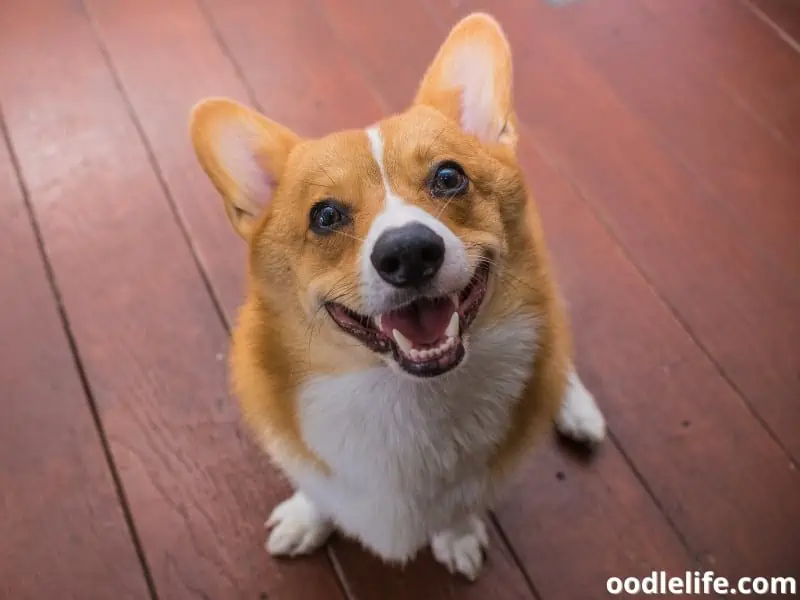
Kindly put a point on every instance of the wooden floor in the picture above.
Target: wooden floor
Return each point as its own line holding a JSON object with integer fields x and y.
{"x": 662, "y": 140}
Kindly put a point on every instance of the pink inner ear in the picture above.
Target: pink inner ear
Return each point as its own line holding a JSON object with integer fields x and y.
{"x": 472, "y": 70}
{"x": 263, "y": 193}
{"x": 237, "y": 152}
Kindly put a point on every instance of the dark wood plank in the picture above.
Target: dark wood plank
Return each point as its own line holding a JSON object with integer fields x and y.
{"x": 63, "y": 530}
{"x": 783, "y": 14}
{"x": 300, "y": 75}
{"x": 677, "y": 419}
{"x": 183, "y": 64}
{"x": 571, "y": 523}
{"x": 751, "y": 177}
{"x": 652, "y": 205}
{"x": 368, "y": 578}
{"x": 749, "y": 58}
{"x": 144, "y": 323}
{"x": 376, "y": 33}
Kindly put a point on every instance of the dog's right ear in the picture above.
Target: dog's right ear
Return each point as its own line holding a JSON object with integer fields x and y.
{"x": 243, "y": 153}
{"x": 471, "y": 80}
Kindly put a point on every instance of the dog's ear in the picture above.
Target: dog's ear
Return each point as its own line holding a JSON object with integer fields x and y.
{"x": 244, "y": 155}
{"x": 471, "y": 80}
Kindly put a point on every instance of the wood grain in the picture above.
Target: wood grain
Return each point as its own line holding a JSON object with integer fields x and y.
{"x": 167, "y": 59}
{"x": 299, "y": 73}
{"x": 784, "y": 14}
{"x": 751, "y": 178}
{"x": 152, "y": 342}
{"x": 62, "y": 527}
{"x": 749, "y": 58}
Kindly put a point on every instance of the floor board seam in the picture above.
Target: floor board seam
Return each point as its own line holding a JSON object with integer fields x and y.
{"x": 180, "y": 221}
{"x": 671, "y": 309}
{"x": 228, "y": 54}
{"x": 775, "y": 27}
{"x": 94, "y": 410}
{"x": 515, "y": 557}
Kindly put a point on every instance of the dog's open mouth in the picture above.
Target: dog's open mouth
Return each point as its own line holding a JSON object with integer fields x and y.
{"x": 425, "y": 336}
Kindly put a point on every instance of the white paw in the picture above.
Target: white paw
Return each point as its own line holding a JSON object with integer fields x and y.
{"x": 297, "y": 527}
{"x": 580, "y": 418}
{"x": 461, "y": 549}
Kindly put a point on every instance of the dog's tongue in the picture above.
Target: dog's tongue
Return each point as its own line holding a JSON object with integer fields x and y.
{"x": 424, "y": 322}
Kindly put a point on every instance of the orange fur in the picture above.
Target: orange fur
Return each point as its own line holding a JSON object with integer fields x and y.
{"x": 283, "y": 336}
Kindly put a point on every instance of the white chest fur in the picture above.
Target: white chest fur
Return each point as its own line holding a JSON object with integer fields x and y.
{"x": 409, "y": 457}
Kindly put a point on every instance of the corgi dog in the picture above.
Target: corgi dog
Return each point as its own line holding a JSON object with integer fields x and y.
{"x": 402, "y": 342}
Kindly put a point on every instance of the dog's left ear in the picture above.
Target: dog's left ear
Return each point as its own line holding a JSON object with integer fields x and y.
{"x": 471, "y": 80}
{"x": 243, "y": 153}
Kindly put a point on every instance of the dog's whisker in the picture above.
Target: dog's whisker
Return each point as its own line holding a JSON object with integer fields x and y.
{"x": 446, "y": 204}
{"x": 349, "y": 235}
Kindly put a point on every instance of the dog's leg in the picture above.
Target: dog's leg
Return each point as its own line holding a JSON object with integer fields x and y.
{"x": 297, "y": 527}
{"x": 461, "y": 548}
{"x": 580, "y": 418}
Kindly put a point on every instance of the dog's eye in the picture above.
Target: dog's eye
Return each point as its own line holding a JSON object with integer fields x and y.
{"x": 448, "y": 180}
{"x": 326, "y": 216}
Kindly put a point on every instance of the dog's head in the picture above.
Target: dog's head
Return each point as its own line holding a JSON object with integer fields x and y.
{"x": 392, "y": 236}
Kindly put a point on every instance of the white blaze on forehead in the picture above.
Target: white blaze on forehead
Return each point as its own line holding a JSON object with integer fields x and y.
{"x": 376, "y": 145}
{"x": 396, "y": 211}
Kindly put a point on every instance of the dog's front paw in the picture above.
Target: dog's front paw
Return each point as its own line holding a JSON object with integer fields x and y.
{"x": 462, "y": 549}
{"x": 580, "y": 418}
{"x": 297, "y": 527}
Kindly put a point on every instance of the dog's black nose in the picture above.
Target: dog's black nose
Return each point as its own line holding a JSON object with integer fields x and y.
{"x": 408, "y": 256}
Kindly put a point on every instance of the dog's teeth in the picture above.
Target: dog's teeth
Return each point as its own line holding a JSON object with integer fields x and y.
{"x": 452, "y": 327}
{"x": 378, "y": 323}
{"x": 435, "y": 352}
{"x": 455, "y": 300}
{"x": 414, "y": 354}
{"x": 402, "y": 342}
